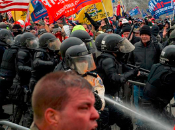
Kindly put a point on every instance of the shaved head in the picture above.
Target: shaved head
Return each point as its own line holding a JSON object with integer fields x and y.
{"x": 51, "y": 91}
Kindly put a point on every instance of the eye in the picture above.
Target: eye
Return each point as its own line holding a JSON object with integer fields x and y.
{"x": 84, "y": 108}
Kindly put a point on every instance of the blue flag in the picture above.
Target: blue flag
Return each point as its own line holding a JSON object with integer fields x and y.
{"x": 134, "y": 11}
{"x": 113, "y": 1}
{"x": 144, "y": 14}
{"x": 39, "y": 10}
{"x": 160, "y": 7}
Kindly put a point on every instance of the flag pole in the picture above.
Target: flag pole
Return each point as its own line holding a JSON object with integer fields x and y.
{"x": 105, "y": 10}
{"x": 15, "y": 14}
{"x": 27, "y": 16}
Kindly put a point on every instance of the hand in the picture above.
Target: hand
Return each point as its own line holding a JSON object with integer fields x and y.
{"x": 164, "y": 32}
{"x": 138, "y": 73}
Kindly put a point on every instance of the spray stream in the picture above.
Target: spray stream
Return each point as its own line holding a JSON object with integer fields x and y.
{"x": 159, "y": 124}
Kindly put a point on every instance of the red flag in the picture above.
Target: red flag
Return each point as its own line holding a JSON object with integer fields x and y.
{"x": 11, "y": 5}
{"x": 118, "y": 10}
{"x": 59, "y": 8}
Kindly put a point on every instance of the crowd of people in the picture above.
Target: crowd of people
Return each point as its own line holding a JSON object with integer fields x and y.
{"x": 58, "y": 74}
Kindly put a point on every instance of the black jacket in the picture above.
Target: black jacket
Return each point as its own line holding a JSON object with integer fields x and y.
{"x": 112, "y": 71}
{"x": 135, "y": 39}
{"x": 42, "y": 64}
{"x": 23, "y": 65}
{"x": 3, "y": 47}
{"x": 145, "y": 57}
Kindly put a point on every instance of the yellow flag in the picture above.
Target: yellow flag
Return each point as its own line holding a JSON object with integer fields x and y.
{"x": 21, "y": 15}
{"x": 96, "y": 11}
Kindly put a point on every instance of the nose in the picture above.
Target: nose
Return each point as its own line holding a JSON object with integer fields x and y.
{"x": 94, "y": 114}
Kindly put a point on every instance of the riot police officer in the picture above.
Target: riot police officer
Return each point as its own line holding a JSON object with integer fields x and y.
{"x": 7, "y": 70}
{"x": 72, "y": 41}
{"x": 114, "y": 74}
{"x": 159, "y": 89}
{"x": 79, "y": 59}
{"x": 24, "y": 58}
{"x": 45, "y": 57}
{"x": 98, "y": 41}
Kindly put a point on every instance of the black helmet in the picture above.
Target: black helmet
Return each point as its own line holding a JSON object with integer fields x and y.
{"x": 167, "y": 56}
{"x": 115, "y": 43}
{"x": 99, "y": 39}
{"x": 17, "y": 40}
{"x": 3, "y": 25}
{"x": 72, "y": 41}
{"x": 6, "y": 36}
{"x": 48, "y": 40}
{"x": 29, "y": 40}
{"x": 79, "y": 59}
{"x": 85, "y": 37}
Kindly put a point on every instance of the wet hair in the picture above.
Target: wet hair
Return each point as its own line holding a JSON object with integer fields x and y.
{"x": 51, "y": 91}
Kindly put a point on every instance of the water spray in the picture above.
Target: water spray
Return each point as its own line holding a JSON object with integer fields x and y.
{"x": 142, "y": 115}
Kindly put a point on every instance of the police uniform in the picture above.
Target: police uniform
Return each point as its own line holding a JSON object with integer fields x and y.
{"x": 97, "y": 84}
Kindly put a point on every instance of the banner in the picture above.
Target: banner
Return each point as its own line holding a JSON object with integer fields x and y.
{"x": 17, "y": 5}
{"x": 144, "y": 14}
{"x": 39, "y": 10}
{"x": 59, "y": 8}
{"x": 134, "y": 11}
{"x": 21, "y": 15}
{"x": 160, "y": 7}
{"x": 95, "y": 11}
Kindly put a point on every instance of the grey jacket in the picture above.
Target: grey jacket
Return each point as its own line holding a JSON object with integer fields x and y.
{"x": 145, "y": 57}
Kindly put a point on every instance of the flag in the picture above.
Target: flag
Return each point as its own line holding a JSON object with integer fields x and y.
{"x": 118, "y": 9}
{"x": 96, "y": 12}
{"x": 17, "y": 5}
{"x": 21, "y": 15}
{"x": 59, "y": 8}
{"x": 39, "y": 10}
{"x": 9, "y": 15}
{"x": 134, "y": 11}
{"x": 158, "y": 8}
{"x": 144, "y": 14}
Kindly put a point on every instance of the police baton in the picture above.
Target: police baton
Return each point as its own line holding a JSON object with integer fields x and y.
{"x": 144, "y": 70}
{"x": 132, "y": 29}
{"x": 137, "y": 83}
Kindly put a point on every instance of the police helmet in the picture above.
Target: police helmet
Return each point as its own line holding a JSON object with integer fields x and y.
{"x": 81, "y": 34}
{"x": 3, "y": 25}
{"x": 172, "y": 35}
{"x": 17, "y": 39}
{"x": 72, "y": 41}
{"x": 85, "y": 37}
{"x": 29, "y": 40}
{"x": 79, "y": 59}
{"x": 99, "y": 39}
{"x": 115, "y": 43}
{"x": 6, "y": 36}
{"x": 167, "y": 56}
{"x": 48, "y": 40}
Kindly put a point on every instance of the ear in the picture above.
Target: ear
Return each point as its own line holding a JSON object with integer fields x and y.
{"x": 52, "y": 116}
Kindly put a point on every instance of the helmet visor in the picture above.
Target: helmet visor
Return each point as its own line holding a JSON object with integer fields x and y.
{"x": 125, "y": 46}
{"x": 83, "y": 64}
{"x": 9, "y": 40}
{"x": 91, "y": 46}
{"x": 32, "y": 43}
{"x": 54, "y": 44}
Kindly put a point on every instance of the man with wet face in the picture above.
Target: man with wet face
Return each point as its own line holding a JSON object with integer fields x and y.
{"x": 63, "y": 101}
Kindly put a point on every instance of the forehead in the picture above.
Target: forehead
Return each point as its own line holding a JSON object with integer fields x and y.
{"x": 78, "y": 95}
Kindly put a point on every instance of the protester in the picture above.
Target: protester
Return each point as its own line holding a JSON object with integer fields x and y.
{"x": 63, "y": 101}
